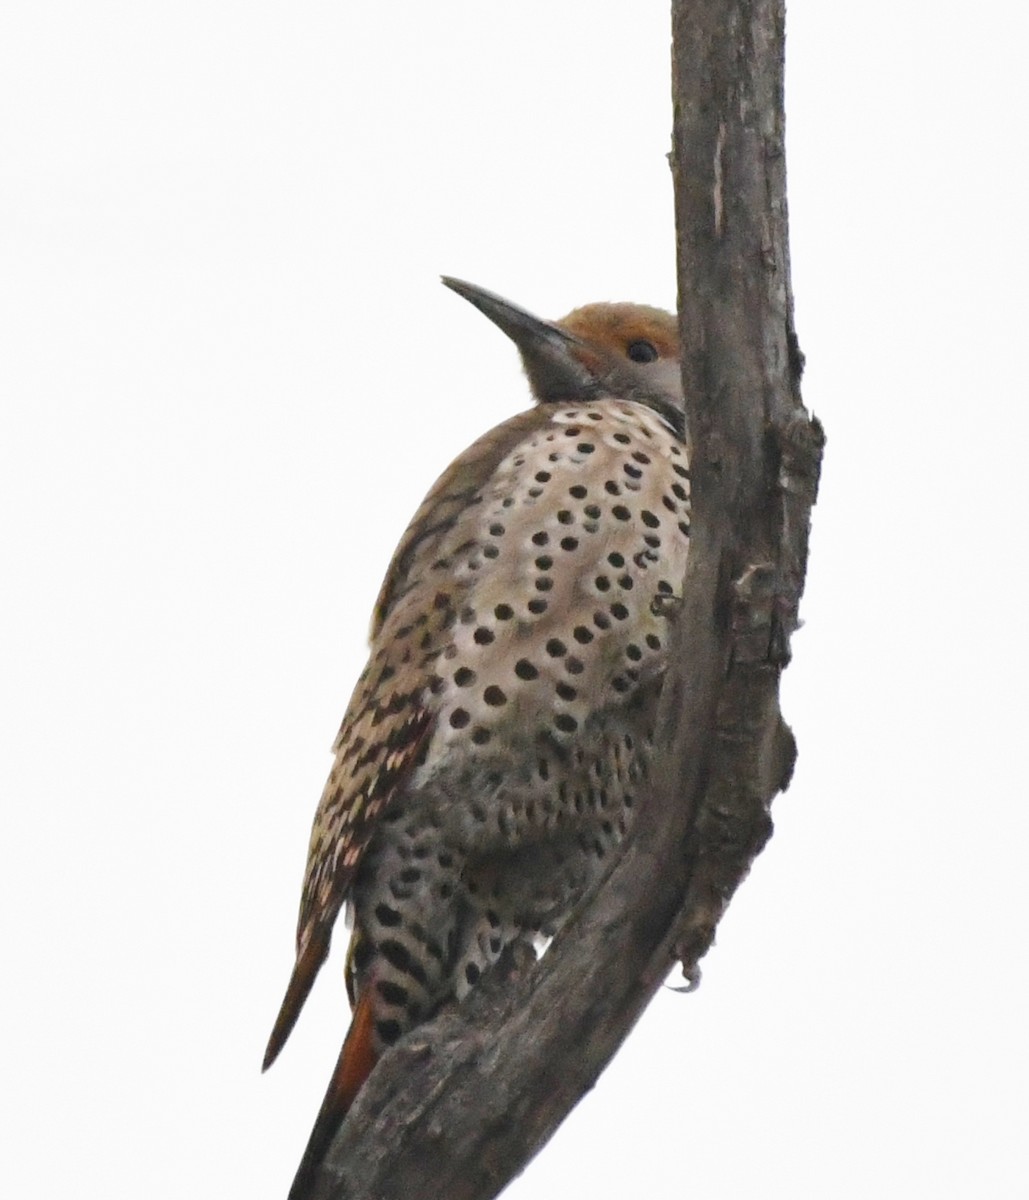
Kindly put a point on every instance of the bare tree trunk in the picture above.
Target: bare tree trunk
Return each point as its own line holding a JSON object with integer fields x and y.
{"x": 459, "y": 1107}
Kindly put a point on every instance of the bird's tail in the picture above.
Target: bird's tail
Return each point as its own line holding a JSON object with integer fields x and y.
{"x": 309, "y": 960}
{"x": 353, "y": 1067}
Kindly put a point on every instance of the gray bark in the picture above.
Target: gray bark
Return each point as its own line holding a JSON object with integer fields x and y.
{"x": 461, "y": 1105}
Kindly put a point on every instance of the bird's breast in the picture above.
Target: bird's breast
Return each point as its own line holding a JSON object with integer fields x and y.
{"x": 556, "y": 575}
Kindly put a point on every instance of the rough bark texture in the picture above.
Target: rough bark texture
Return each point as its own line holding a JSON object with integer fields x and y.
{"x": 458, "y": 1107}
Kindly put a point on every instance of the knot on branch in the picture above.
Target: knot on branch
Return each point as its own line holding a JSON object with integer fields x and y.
{"x": 726, "y": 839}
{"x": 800, "y": 440}
{"x": 761, "y": 617}
{"x": 765, "y": 595}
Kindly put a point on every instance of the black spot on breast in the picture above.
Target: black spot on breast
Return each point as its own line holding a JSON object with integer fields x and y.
{"x": 387, "y": 916}
{"x": 398, "y": 956}
{"x": 388, "y": 1031}
{"x": 392, "y": 992}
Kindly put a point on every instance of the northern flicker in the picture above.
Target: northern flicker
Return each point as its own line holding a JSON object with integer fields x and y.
{"x": 489, "y": 762}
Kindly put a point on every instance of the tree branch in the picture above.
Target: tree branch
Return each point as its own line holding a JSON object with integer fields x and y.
{"x": 458, "y": 1107}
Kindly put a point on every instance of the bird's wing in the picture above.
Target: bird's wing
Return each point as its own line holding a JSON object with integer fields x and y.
{"x": 448, "y": 498}
{"x": 390, "y": 717}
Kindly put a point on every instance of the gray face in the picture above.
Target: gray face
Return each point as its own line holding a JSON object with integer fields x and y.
{"x": 657, "y": 383}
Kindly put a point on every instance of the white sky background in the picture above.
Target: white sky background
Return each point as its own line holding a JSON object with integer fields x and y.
{"x": 228, "y": 375}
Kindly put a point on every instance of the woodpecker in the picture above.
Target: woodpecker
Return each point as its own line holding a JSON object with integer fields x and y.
{"x": 490, "y": 759}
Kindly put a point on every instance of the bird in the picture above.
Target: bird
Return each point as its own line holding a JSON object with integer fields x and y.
{"x": 491, "y": 757}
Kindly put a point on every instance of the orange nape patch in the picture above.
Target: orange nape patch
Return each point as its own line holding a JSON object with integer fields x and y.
{"x": 616, "y": 326}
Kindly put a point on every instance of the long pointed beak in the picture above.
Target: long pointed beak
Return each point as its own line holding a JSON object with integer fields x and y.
{"x": 556, "y": 361}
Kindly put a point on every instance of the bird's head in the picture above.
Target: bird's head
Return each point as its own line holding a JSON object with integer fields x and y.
{"x": 629, "y": 351}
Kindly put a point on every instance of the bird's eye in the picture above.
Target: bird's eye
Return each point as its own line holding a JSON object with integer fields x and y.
{"x": 641, "y": 351}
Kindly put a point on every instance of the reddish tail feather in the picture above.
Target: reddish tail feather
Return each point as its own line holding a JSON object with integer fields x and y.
{"x": 353, "y": 1067}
